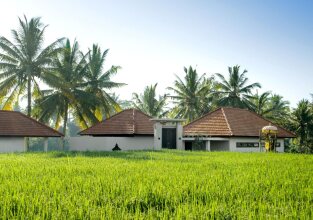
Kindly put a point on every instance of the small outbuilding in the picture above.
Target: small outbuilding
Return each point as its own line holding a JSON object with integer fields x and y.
{"x": 15, "y": 127}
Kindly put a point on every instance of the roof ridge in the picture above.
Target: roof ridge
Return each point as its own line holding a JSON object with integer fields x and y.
{"x": 139, "y": 111}
{"x": 206, "y": 114}
{"x": 46, "y": 126}
{"x": 228, "y": 125}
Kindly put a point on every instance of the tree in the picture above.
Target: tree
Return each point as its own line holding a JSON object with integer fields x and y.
{"x": 24, "y": 61}
{"x": 272, "y": 107}
{"x": 98, "y": 82}
{"x": 234, "y": 91}
{"x": 279, "y": 110}
{"x": 303, "y": 123}
{"x": 192, "y": 95}
{"x": 148, "y": 103}
{"x": 68, "y": 90}
{"x": 124, "y": 104}
{"x": 260, "y": 103}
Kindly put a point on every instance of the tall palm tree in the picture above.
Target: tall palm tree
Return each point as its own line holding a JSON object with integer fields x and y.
{"x": 303, "y": 121}
{"x": 149, "y": 103}
{"x": 192, "y": 95}
{"x": 68, "y": 90}
{"x": 234, "y": 91}
{"x": 24, "y": 61}
{"x": 99, "y": 82}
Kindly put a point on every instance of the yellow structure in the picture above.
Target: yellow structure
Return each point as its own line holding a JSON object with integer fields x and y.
{"x": 269, "y": 135}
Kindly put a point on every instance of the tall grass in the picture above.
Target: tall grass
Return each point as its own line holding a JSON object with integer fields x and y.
{"x": 149, "y": 185}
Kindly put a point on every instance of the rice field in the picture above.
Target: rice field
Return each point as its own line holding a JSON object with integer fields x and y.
{"x": 156, "y": 185}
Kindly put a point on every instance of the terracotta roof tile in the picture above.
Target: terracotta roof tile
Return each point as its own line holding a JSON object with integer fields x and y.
{"x": 231, "y": 122}
{"x": 128, "y": 122}
{"x": 16, "y": 124}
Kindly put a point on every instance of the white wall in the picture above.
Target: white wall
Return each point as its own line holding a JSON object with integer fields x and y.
{"x": 157, "y": 136}
{"x": 179, "y": 136}
{"x": 233, "y": 141}
{"x": 12, "y": 144}
{"x": 89, "y": 143}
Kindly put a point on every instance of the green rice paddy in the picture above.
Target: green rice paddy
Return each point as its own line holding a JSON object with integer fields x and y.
{"x": 156, "y": 185}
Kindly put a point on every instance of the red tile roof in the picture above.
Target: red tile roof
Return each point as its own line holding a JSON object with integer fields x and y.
{"x": 16, "y": 124}
{"x": 231, "y": 122}
{"x": 129, "y": 122}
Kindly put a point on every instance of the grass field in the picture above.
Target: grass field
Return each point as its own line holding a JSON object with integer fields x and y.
{"x": 165, "y": 184}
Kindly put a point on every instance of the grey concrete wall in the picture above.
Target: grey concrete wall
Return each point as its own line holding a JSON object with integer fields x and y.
{"x": 12, "y": 144}
{"x": 219, "y": 145}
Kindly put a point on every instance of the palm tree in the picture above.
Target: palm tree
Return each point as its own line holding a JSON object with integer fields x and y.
{"x": 68, "y": 90}
{"x": 303, "y": 121}
{"x": 272, "y": 107}
{"x": 192, "y": 95}
{"x": 124, "y": 104}
{"x": 235, "y": 92}
{"x": 148, "y": 103}
{"x": 279, "y": 109}
{"x": 98, "y": 82}
{"x": 24, "y": 61}
{"x": 260, "y": 103}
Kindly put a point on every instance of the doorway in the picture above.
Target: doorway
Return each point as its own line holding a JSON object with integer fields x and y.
{"x": 169, "y": 138}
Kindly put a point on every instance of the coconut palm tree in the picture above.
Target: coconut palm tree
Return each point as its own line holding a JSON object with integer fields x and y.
{"x": 234, "y": 91}
{"x": 68, "y": 90}
{"x": 24, "y": 61}
{"x": 149, "y": 103}
{"x": 279, "y": 109}
{"x": 99, "y": 82}
{"x": 192, "y": 95}
{"x": 272, "y": 107}
{"x": 260, "y": 103}
{"x": 303, "y": 122}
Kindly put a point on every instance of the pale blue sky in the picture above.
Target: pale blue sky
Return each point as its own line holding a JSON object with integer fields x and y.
{"x": 152, "y": 40}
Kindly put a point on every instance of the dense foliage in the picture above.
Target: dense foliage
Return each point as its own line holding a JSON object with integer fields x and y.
{"x": 77, "y": 83}
{"x": 192, "y": 95}
{"x": 149, "y": 103}
{"x": 152, "y": 185}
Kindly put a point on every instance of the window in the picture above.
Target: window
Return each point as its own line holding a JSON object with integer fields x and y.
{"x": 277, "y": 144}
{"x": 253, "y": 144}
{"x": 247, "y": 144}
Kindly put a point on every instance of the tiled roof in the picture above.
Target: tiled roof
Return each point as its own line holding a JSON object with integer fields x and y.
{"x": 125, "y": 123}
{"x": 16, "y": 124}
{"x": 231, "y": 122}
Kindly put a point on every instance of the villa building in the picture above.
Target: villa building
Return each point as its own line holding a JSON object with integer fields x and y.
{"x": 225, "y": 129}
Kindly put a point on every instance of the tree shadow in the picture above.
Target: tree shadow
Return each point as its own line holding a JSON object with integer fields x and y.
{"x": 127, "y": 155}
{"x": 163, "y": 154}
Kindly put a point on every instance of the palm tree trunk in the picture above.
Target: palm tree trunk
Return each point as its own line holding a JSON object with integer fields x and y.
{"x": 29, "y": 95}
{"x": 65, "y": 123}
{"x": 29, "y": 103}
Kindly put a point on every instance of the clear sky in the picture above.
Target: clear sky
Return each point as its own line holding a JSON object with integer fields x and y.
{"x": 153, "y": 40}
